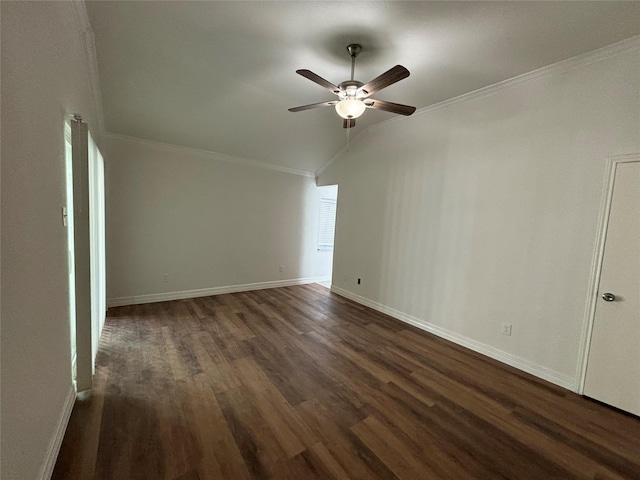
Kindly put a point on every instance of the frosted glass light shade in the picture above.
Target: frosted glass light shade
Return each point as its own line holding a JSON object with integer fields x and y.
{"x": 350, "y": 108}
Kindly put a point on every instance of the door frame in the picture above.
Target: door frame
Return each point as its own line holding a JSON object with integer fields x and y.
{"x": 596, "y": 264}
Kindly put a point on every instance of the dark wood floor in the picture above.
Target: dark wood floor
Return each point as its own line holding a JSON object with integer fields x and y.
{"x": 298, "y": 383}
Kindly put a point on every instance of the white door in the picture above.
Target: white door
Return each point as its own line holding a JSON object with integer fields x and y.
{"x": 71, "y": 246}
{"x": 89, "y": 249}
{"x": 613, "y": 365}
{"x": 82, "y": 254}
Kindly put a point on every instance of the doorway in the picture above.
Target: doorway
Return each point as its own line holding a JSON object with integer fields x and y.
{"x": 327, "y": 230}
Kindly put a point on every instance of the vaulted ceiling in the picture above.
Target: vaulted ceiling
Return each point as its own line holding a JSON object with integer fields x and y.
{"x": 220, "y": 76}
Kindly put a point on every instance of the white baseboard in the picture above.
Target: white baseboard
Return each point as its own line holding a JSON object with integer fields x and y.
{"x": 552, "y": 376}
{"x": 205, "y": 292}
{"x": 58, "y": 435}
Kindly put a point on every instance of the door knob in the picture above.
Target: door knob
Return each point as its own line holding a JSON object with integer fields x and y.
{"x": 608, "y": 297}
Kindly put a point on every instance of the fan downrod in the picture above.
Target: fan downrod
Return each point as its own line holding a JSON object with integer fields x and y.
{"x": 353, "y": 49}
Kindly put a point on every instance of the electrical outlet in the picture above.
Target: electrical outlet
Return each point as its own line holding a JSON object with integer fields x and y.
{"x": 281, "y": 268}
{"x": 506, "y": 329}
{"x": 165, "y": 277}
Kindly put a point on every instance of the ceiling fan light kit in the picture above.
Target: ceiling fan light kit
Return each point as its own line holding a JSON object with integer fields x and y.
{"x": 354, "y": 95}
{"x": 350, "y": 108}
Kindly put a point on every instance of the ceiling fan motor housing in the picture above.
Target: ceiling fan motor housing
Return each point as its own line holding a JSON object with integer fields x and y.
{"x": 349, "y": 89}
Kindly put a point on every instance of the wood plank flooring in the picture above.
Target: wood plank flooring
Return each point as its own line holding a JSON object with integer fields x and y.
{"x": 299, "y": 383}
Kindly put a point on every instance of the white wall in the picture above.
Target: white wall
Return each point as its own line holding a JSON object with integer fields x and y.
{"x": 43, "y": 77}
{"x": 207, "y": 223}
{"x": 485, "y": 211}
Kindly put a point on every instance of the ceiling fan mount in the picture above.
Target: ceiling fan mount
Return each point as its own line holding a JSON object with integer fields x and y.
{"x": 354, "y": 96}
{"x": 354, "y": 49}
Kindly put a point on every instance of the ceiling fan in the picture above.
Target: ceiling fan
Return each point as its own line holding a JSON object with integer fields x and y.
{"x": 354, "y": 96}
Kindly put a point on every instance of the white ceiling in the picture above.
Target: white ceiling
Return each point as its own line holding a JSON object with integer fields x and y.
{"x": 219, "y": 76}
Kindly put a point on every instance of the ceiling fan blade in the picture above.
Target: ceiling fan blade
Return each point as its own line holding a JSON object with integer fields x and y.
{"x": 389, "y": 106}
{"x": 319, "y": 80}
{"x": 349, "y": 123}
{"x": 389, "y": 77}
{"x": 313, "y": 105}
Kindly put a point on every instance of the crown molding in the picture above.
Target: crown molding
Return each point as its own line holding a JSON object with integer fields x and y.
{"x": 341, "y": 152}
{"x": 91, "y": 63}
{"x": 557, "y": 68}
{"x": 90, "y": 60}
{"x": 222, "y": 157}
{"x": 86, "y": 32}
{"x": 81, "y": 16}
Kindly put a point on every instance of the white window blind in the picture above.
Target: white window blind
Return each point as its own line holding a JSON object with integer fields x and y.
{"x": 327, "y": 223}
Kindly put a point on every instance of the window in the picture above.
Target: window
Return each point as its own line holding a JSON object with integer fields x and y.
{"x": 327, "y": 223}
